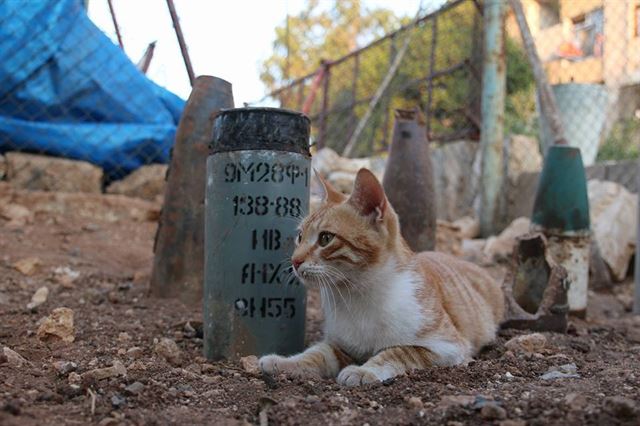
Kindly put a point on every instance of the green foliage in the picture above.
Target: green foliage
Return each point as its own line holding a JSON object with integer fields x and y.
{"x": 329, "y": 32}
{"x": 320, "y": 32}
{"x": 622, "y": 141}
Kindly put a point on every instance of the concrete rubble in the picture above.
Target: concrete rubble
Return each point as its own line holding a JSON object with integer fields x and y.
{"x": 147, "y": 183}
{"x": 39, "y": 172}
{"x": 613, "y": 211}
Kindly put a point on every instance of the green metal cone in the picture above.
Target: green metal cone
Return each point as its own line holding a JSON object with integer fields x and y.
{"x": 562, "y": 203}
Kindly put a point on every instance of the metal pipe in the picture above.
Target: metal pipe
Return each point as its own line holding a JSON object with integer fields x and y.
{"x": 115, "y": 24}
{"x": 547, "y": 100}
{"x": 493, "y": 101}
{"x": 181, "y": 41}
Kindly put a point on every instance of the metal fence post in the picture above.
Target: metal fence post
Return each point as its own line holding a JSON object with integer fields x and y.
{"x": 432, "y": 69}
{"x": 636, "y": 272}
{"x": 493, "y": 101}
{"x": 325, "y": 105}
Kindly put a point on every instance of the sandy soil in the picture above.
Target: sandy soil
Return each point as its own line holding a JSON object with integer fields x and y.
{"x": 116, "y": 322}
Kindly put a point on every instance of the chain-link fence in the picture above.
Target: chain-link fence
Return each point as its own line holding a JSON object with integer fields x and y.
{"x": 439, "y": 72}
{"x": 590, "y": 50}
{"x": 66, "y": 90}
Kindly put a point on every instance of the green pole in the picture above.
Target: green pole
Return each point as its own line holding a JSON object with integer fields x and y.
{"x": 493, "y": 99}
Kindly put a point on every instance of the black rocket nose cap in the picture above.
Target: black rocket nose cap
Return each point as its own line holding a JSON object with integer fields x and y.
{"x": 260, "y": 128}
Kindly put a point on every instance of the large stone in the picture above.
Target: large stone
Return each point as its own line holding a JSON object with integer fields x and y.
{"x": 37, "y": 172}
{"x": 456, "y": 175}
{"x": 147, "y": 183}
{"x": 501, "y": 247}
{"x": 448, "y": 238}
{"x": 613, "y": 211}
{"x": 58, "y": 325}
{"x": 522, "y": 156}
{"x": 98, "y": 207}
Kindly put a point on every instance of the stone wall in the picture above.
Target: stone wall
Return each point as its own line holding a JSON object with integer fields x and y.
{"x": 522, "y": 191}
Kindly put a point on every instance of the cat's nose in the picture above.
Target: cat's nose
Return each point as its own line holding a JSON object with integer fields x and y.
{"x": 296, "y": 261}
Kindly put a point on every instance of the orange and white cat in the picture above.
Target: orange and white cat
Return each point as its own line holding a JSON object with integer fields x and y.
{"x": 387, "y": 309}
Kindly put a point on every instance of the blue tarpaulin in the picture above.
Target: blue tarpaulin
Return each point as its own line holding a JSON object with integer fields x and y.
{"x": 66, "y": 90}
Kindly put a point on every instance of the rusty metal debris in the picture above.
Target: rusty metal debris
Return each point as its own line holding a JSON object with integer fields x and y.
{"x": 178, "y": 267}
{"x": 535, "y": 288}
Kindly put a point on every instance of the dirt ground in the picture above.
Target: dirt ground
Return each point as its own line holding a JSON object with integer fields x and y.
{"x": 108, "y": 241}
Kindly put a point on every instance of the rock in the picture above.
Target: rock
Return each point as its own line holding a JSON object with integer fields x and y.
{"x": 118, "y": 401}
{"x": 576, "y": 401}
{"x": 12, "y": 407}
{"x": 134, "y": 388}
{"x": 469, "y": 227}
{"x": 168, "y": 349}
{"x": 415, "y": 403}
{"x": 501, "y": 247}
{"x": 492, "y": 411}
{"x": 117, "y": 369}
{"x": 147, "y": 183}
{"x": 250, "y": 364}
{"x": 27, "y": 266}
{"x": 124, "y": 337}
{"x": 342, "y": 181}
{"x": 38, "y": 298}
{"x": 512, "y": 422}
{"x": 620, "y": 407}
{"x": 528, "y": 343}
{"x": 566, "y": 371}
{"x": 65, "y": 276}
{"x": 448, "y": 238}
{"x": 135, "y": 352}
{"x": 613, "y": 212}
{"x": 37, "y": 172}
{"x": 453, "y": 400}
{"x": 74, "y": 378}
{"x": 64, "y": 367}
{"x": 59, "y": 324}
{"x": 523, "y": 155}
{"x": 327, "y": 160}
{"x": 16, "y": 214}
{"x": 633, "y": 334}
{"x": 13, "y": 358}
{"x": 456, "y": 175}
{"x": 473, "y": 250}
{"x": 3, "y": 167}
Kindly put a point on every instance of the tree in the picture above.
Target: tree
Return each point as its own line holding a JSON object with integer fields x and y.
{"x": 321, "y": 32}
{"x": 331, "y": 33}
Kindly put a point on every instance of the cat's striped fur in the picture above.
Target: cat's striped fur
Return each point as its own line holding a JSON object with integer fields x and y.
{"x": 387, "y": 310}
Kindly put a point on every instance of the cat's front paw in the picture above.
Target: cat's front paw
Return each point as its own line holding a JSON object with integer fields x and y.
{"x": 356, "y": 376}
{"x": 273, "y": 364}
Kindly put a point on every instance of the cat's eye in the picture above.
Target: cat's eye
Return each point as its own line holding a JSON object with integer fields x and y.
{"x": 325, "y": 238}
{"x": 299, "y": 238}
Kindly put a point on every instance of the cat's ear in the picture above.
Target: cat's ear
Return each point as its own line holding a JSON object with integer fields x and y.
{"x": 329, "y": 193}
{"x": 368, "y": 196}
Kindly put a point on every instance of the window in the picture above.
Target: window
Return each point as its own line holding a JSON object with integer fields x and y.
{"x": 588, "y": 33}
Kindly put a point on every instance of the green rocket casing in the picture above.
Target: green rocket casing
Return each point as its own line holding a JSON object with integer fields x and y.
{"x": 257, "y": 191}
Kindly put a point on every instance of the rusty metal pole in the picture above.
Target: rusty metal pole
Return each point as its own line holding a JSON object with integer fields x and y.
{"x": 181, "y": 41}
{"x": 178, "y": 265}
{"x": 547, "y": 99}
{"x": 115, "y": 24}
{"x": 408, "y": 180}
{"x": 493, "y": 99}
